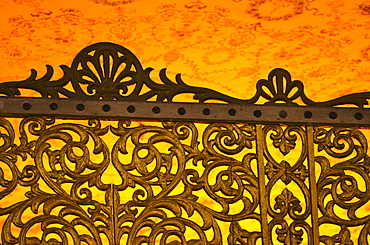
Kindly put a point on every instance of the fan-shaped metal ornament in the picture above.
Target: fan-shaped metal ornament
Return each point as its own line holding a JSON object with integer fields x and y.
{"x": 186, "y": 172}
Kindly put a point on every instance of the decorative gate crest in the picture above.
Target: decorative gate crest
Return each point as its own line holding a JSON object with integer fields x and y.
{"x": 186, "y": 173}
{"x": 107, "y": 70}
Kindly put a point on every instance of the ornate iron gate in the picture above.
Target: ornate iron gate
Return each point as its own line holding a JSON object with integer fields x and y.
{"x": 220, "y": 170}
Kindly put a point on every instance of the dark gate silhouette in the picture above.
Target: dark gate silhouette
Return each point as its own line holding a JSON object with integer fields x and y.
{"x": 275, "y": 169}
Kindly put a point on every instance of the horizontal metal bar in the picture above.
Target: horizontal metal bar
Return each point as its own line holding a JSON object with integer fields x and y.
{"x": 184, "y": 111}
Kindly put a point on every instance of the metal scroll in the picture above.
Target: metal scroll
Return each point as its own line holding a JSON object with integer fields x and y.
{"x": 193, "y": 181}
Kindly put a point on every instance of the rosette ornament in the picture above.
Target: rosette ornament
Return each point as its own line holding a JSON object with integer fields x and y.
{"x": 106, "y": 72}
{"x": 111, "y": 72}
{"x": 279, "y": 87}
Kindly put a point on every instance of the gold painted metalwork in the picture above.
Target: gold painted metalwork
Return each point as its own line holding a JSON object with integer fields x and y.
{"x": 70, "y": 158}
{"x": 179, "y": 182}
{"x": 109, "y": 71}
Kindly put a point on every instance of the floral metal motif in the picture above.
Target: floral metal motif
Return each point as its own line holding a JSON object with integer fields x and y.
{"x": 109, "y": 71}
{"x": 157, "y": 199}
{"x": 177, "y": 182}
{"x": 59, "y": 164}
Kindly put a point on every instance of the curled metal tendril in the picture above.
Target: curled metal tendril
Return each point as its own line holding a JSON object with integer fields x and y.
{"x": 157, "y": 198}
{"x": 112, "y": 72}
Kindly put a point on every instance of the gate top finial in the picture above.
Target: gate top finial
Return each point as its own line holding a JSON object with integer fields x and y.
{"x": 109, "y": 71}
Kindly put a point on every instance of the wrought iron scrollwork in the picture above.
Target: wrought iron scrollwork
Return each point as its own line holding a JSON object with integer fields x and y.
{"x": 340, "y": 181}
{"x": 109, "y": 71}
{"x": 178, "y": 182}
{"x": 71, "y": 158}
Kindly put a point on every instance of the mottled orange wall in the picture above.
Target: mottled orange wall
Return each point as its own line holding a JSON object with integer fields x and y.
{"x": 224, "y": 45}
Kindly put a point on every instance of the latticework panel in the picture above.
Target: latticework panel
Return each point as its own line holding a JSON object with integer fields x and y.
{"x": 122, "y": 182}
{"x": 104, "y": 155}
